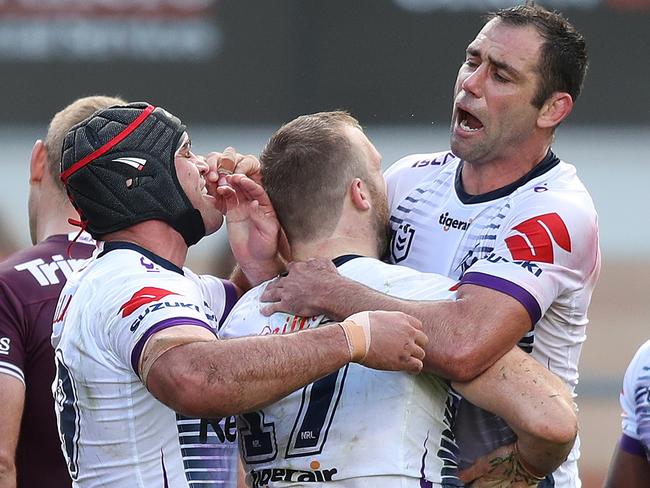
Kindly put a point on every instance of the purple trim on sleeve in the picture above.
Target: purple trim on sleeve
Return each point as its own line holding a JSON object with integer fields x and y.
{"x": 632, "y": 446}
{"x": 509, "y": 288}
{"x": 231, "y": 298}
{"x": 164, "y": 324}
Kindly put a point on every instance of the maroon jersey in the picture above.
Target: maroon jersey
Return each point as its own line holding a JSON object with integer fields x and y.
{"x": 30, "y": 283}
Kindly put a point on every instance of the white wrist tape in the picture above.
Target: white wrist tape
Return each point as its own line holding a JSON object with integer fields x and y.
{"x": 357, "y": 333}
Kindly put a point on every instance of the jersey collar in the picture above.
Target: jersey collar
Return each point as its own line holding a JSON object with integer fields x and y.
{"x": 341, "y": 260}
{"x": 162, "y": 262}
{"x": 546, "y": 164}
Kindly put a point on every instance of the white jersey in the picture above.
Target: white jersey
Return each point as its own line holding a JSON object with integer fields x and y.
{"x": 635, "y": 402}
{"x": 113, "y": 431}
{"x": 357, "y": 427}
{"x": 535, "y": 240}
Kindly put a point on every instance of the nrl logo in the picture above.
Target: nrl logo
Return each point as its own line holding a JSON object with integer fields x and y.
{"x": 401, "y": 242}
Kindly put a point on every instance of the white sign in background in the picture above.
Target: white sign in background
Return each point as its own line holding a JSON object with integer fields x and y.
{"x": 100, "y": 30}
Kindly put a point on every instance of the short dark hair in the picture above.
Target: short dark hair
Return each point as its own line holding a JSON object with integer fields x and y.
{"x": 562, "y": 63}
{"x": 307, "y": 166}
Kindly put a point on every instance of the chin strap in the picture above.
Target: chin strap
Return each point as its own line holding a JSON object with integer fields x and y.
{"x": 83, "y": 224}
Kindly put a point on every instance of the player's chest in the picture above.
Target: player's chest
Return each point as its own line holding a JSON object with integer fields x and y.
{"x": 433, "y": 231}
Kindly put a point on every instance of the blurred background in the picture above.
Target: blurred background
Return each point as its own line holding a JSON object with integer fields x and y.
{"x": 235, "y": 70}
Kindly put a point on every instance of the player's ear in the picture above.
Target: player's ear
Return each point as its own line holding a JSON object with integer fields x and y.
{"x": 38, "y": 162}
{"x": 359, "y": 194}
{"x": 555, "y": 110}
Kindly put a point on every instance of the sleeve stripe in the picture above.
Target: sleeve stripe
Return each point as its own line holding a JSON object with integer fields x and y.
{"x": 509, "y": 288}
{"x": 632, "y": 446}
{"x": 231, "y": 299}
{"x": 11, "y": 370}
{"x": 164, "y": 324}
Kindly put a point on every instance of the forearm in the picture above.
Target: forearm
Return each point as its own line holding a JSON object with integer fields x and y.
{"x": 238, "y": 375}
{"x": 239, "y": 279}
{"x": 533, "y": 401}
{"x": 462, "y": 338}
{"x": 254, "y": 273}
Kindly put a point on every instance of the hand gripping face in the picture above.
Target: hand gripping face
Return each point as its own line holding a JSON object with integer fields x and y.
{"x": 118, "y": 169}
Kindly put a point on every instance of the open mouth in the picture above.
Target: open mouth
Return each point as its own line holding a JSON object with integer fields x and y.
{"x": 468, "y": 122}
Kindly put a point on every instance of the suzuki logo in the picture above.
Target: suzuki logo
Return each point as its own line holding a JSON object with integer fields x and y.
{"x": 146, "y": 295}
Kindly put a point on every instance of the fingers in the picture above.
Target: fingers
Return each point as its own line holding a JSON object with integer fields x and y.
{"x": 249, "y": 165}
{"x": 228, "y": 161}
{"x": 414, "y": 366}
{"x": 421, "y": 339}
{"x": 231, "y": 162}
{"x": 250, "y": 189}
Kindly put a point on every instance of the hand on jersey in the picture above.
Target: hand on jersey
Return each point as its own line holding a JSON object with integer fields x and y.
{"x": 304, "y": 290}
{"x": 393, "y": 341}
{"x": 502, "y": 468}
{"x": 253, "y": 227}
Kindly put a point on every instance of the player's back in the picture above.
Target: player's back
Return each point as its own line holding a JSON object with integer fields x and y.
{"x": 356, "y": 427}
{"x": 30, "y": 283}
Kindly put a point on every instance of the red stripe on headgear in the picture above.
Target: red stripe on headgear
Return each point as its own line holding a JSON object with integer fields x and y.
{"x": 109, "y": 145}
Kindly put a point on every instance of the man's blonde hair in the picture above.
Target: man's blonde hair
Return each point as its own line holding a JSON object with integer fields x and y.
{"x": 63, "y": 121}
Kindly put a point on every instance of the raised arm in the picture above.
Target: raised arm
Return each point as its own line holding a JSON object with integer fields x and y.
{"x": 462, "y": 338}
{"x": 536, "y": 405}
{"x": 193, "y": 373}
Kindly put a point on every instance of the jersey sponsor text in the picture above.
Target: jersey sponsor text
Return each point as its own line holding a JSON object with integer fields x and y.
{"x": 45, "y": 273}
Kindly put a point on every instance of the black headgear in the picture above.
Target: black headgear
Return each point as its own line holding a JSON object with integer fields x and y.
{"x": 118, "y": 169}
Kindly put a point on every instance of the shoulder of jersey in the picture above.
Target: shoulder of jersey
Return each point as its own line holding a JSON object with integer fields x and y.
{"x": 371, "y": 270}
{"x": 642, "y": 356}
{"x": 559, "y": 186}
{"x": 418, "y": 162}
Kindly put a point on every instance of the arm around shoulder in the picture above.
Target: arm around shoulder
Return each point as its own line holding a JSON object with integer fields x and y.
{"x": 205, "y": 377}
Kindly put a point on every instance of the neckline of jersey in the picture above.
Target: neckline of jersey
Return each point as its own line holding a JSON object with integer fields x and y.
{"x": 115, "y": 245}
{"x": 341, "y": 260}
{"x": 545, "y": 165}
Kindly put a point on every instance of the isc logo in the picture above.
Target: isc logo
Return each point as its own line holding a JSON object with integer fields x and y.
{"x": 5, "y": 345}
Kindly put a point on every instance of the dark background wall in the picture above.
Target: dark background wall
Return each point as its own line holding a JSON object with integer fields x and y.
{"x": 266, "y": 61}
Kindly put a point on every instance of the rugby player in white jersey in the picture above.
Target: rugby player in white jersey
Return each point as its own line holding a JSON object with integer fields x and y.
{"x": 134, "y": 331}
{"x": 500, "y": 213}
{"x": 358, "y": 428}
{"x": 630, "y": 466}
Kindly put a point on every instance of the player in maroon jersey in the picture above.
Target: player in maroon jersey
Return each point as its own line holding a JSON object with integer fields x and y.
{"x": 30, "y": 283}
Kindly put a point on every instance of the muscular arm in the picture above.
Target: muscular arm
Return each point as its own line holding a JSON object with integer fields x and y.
{"x": 220, "y": 378}
{"x": 12, "y": 392}
{"x": 198, "y": 375}
{"x": 533, "y": 401}
{"x": 628, "y": 470}
{"x": 462, "y": 334}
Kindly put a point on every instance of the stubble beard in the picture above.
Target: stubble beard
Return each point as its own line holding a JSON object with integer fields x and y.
{"x": 380, "y": 221}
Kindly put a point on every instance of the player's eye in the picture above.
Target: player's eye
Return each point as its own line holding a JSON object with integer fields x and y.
{"x": 500, "y": 78}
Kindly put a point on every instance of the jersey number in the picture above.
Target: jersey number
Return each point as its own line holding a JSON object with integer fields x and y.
{"x": 309, "y": 432}
{"x": 67, "y": 414}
